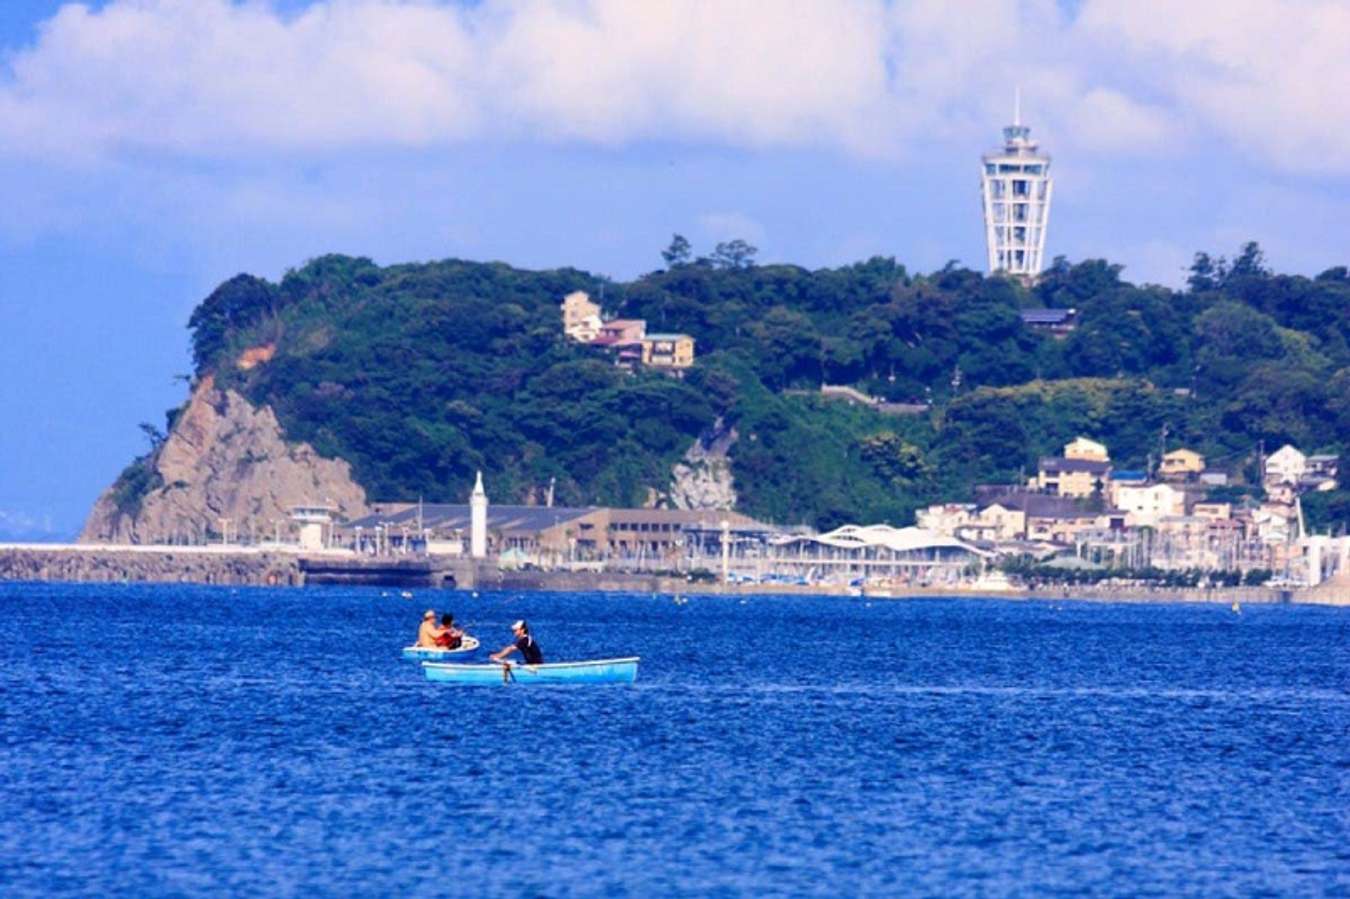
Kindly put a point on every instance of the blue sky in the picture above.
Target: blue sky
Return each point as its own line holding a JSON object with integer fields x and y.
{"x": 151, "y": 148}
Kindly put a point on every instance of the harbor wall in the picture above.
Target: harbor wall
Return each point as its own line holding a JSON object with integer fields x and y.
{"x": 159, "y": 565}
{"x": 270, "y": 567}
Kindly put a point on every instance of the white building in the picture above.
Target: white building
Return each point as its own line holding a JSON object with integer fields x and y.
{"x": 1145, "y": 505}
{"x": 1285, "y": 466}
{"x": 1015, "y": 183}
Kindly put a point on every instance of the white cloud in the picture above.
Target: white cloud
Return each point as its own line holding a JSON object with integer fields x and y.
{"x": 232, "y": 79}
{"x": 1269, "y": 74}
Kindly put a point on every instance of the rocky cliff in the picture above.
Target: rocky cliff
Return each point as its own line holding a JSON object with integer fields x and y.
{"x": 703, "y": 479}
{"x": 223, "y": 459}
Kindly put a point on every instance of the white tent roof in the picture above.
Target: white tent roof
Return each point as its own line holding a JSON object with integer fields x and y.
{"x": 855, "y": 536}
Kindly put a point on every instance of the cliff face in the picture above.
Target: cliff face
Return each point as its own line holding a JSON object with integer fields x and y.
{"x": 224, "y": 458}
{"x": 703, "y": 479}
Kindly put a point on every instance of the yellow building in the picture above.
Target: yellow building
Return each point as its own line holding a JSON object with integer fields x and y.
{"x": 1182, "y": 463}
{"x": 1075, "y": 477}
{"x": 1082, "y": 448}
{"x": 581, "y": 317}
{"x": 668, "y": 350}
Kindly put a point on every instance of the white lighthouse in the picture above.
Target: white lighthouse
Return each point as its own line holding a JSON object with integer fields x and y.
{"x": 1015, "y": 184}
{"x": 478, "y": 504}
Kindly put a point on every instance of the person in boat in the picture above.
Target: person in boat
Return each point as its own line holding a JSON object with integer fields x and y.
{"x": 523, "y": 643}
{"x": 447, "y": 635}
{"x": 427, "y": 630}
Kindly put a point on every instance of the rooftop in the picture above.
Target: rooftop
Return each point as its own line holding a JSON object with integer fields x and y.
{"x": 1056, "y": 464}
{"x": 456, "y": 516}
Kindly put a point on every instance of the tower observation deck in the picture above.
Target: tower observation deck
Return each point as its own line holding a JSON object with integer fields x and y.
{"x": 1015, "y": 184}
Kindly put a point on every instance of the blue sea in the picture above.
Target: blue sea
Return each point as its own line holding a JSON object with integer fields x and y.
{"x": 165, "y": 740}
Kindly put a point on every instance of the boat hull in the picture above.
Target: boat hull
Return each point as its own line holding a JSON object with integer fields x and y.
{"x": 436, "y": 654}
{"x": 599, "y": 671}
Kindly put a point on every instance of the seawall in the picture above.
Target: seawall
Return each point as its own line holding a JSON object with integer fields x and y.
{"x": 158, "y": 564}
{"x": 260, "y": 566}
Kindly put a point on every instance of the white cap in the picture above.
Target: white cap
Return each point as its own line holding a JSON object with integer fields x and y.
{"x": 520, "y": 624}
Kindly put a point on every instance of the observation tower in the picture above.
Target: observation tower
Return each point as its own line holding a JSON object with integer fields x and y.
{"x": 1015, "y": 184}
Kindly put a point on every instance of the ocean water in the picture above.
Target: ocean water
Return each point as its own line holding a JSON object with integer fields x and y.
{"x": 192, "y": 741}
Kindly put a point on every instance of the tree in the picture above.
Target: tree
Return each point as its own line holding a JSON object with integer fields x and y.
{"x": 677, "y": 253}
{"x": 895, "y": 460}
{"x": 154, "y": 435}
{"x": 734, "y": 254}
{"x": 1207, "y": 273}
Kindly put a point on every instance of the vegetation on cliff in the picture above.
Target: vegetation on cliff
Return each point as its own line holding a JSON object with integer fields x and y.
{"x": 420, "y": 374}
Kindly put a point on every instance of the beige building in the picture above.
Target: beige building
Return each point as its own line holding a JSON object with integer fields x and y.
{"x": 1181, "y": 464}
{"x": 1082, "y": 448}
{"x": 668, "y": 350}
{"x": 622, "y": 331}
{"x": 1074, "y": 477}
{"x": 1222, "y": 511}
{"x": 581, "y": 317}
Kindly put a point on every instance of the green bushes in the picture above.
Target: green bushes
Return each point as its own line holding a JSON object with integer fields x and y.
{"x": 421, "y": 374}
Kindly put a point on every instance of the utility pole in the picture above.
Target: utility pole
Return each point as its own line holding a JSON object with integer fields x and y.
{"x": 726, "y": 550}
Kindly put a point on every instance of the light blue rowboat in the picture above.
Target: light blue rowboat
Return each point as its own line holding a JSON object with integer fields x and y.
{"x": 436, "y": 654}
{"x": 599, "y": 671}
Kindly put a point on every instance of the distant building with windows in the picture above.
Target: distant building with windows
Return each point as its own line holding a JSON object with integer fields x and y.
{"x": 1057, "y": 323}
{"x": 1015, "y": 186}
{"x": 668, "y": 350}
{"x": 581, "y": 317}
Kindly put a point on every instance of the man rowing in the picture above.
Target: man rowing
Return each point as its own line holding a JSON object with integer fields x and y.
{"x": 523, "y": 643}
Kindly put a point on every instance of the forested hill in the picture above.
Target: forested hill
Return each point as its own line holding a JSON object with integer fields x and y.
{"x": 420, "y": 374}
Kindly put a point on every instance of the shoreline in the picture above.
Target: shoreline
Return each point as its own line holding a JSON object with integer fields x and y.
{"x": 275, "y": 567}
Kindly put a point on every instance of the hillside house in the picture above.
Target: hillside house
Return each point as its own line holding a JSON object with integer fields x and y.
{"x": 581, "y": 317}
{"x": 1072, "y": 477}
{"x": 672, "y": 351}
{"x": 1147, "y": 504}
{"x": 1083, "y": 448}
{"x": 621, "y": 331}
{"x": 1181, "y": 465}
{"x": 1058, "y": 323}
{"x": 1320, "y": 472}
{"x": 1285, "y": 466}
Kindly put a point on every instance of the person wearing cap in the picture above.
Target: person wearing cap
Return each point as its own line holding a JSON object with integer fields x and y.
{"x": 427, "y": 632}
{"x": 523, "y": 643}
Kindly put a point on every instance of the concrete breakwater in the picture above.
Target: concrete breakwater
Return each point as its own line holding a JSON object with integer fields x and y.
{"x": 257, "y": 566}
{"x": 144, "y": 564}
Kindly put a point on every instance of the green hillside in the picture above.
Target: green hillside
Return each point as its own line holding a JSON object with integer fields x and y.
{"x": 420, "y": 374}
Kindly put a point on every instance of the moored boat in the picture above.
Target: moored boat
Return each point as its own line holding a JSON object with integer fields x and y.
{"x": 597, "y": 671}
{"x": 436, "y": 654}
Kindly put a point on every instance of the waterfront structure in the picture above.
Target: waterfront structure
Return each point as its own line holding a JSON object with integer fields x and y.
{"x": 581, "y": 317}
{"x": 1016, "y": 186}
{"x": 478, "y": 509}
{"x": 901, "y": 555}
{"x": 562, "y": 536}
{"x": 314, "y": 523}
